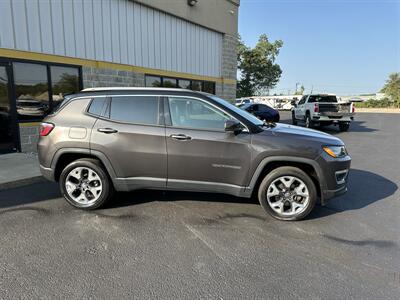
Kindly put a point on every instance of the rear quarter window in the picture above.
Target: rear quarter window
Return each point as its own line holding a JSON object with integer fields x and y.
{"x": 97, "y": 106}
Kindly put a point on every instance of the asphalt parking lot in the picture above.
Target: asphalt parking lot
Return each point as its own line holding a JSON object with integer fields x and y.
{"x": 154, "y": 244}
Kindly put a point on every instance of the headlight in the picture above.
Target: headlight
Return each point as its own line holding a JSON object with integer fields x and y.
{"x": 335, "y": 151}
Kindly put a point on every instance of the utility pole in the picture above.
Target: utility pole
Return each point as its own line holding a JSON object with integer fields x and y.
{"x": 295, "y": 91}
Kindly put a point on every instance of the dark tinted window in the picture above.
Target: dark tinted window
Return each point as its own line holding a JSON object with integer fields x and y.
{"x": 135, "y": 109}
{"x": 169, "y": 82}
{"x": 32, "y": 91}
{"x": 184, "y": 84}
{"x": 64, "y": 80}
{"x": 322, "y": 98}
{"x": 209, "y": 87}
{"x": 153, "y": 81}
{"x": 97, "y": 105}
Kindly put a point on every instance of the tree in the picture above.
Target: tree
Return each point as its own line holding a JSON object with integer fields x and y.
{"x": 392, "y": 88}
{"x": 258, "y": 71}
{"x": 300, "y": 91}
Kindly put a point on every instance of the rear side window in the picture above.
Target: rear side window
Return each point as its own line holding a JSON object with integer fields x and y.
{"x": 135, "y": 109}
{"x": 97, "y": 106}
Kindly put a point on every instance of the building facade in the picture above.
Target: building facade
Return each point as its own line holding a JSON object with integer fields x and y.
{"x": 49, "y": 48}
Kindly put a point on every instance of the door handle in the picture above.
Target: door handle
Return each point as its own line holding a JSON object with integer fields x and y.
{"x": 107, "y": 130}
{"x": 180, "y": 137}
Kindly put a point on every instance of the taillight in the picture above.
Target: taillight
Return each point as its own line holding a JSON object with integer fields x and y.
{"x": 353, "y": 109}
{"x": 46, "y": 128}
{"x": 316, "y": 107}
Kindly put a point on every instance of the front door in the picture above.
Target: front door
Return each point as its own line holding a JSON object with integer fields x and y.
{"x": 8, "y": 139}
{"x": 201, "y": 155}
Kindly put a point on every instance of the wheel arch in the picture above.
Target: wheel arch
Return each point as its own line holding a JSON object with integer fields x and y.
{"x": 309, "y": 166}
{"x": 63, "y": 157}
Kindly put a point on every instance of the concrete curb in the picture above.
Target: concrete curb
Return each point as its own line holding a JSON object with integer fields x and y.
{"x": 21, "y": 182}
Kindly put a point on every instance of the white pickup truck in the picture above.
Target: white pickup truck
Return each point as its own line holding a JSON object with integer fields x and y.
{"x": 322, "y": 109}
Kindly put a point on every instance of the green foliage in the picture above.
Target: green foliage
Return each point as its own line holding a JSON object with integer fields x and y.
{"x": 392, "y": 88}
{"x": 258, "y": 71}
{"x": 384, "y": 103}
{"x": 300, "y": 91}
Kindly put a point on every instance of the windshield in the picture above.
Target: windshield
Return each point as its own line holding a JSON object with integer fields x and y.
{"x": 239, "y": 111}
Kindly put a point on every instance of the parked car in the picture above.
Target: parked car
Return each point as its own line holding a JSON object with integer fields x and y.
{"x": 31, "y": 107}
{"x": 262, "y": 111}
{"x": 106, "y": 139}
{"x": 240, "y": 102}
{"x": 323, "y": 110}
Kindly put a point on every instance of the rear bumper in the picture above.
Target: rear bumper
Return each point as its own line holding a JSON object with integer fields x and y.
{"x": 47, "y": 173}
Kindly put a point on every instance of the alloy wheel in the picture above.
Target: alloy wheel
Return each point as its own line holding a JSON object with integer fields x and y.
{"x": 83, "y": 185}
{"x": 288, "y": 195}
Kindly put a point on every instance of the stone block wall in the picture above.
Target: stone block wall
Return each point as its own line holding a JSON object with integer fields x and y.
{"x": 29, "y": 136}
{"x": 95, "y": 77}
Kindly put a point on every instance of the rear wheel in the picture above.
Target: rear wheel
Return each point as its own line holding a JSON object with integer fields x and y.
{"x": 287, "y": 193}
{"x": 294, "y": 121}
{"x": 85, "y": 184}
{"x": 344, "y": 126}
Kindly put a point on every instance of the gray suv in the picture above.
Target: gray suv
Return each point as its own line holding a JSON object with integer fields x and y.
{"x": 103, "y": 140}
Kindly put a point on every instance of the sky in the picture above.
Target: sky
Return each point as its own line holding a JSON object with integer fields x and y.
{"x": 346, "y": 47}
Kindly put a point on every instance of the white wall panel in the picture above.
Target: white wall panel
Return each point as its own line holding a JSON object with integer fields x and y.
{"x": 118, "y": 31}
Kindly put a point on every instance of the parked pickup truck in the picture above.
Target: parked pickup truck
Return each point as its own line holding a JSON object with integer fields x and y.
{"x": 322, "y": 109}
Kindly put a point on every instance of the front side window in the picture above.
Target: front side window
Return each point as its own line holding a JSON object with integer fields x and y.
{"x": 32, "y": 90}
{"x": 135, "y": 109}
{"x": 196, "y": 114}
{"x": 64, "y": 80}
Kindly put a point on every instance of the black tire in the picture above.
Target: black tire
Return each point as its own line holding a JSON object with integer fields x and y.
{"x": 344, "y": 126}
{"x": 93, "y": 164}
{"x": 294, "y": 121}
{"x": 308, "y": 121}
{"x": 287, "y": 171}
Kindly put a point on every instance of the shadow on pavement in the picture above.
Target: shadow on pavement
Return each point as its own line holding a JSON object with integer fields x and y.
{"x": 29, "y": 194}
{"x": 144, "y": 196}
{"x": 355, "y": 126}
{"x": 364, "y": 188}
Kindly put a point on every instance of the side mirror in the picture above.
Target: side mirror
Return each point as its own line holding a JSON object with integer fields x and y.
{"x": 233, "y": 126}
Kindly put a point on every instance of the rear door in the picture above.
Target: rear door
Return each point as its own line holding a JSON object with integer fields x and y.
{"x": 132, "y": 137}
{"x": 201, "y": 155}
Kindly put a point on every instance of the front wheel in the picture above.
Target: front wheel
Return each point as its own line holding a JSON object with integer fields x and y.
{"x": 294, "y": 121}
{"x": 85, "y": 184}
{"x": 344, "y": 126}
{"x": 288, "y": 194}
{"x": 309, "y": 123}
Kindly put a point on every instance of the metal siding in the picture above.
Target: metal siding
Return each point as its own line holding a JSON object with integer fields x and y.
{"x": 106, "y": 26}
{"x": 116, "y": 31}
{"x": 7, "y": 35}
{"x": 32, "y": 10}
{"x": 20, "y": 26}
{"x": 69, "y": 28}
{"x": 58, "y": 27}
{"x": 98, "y": 29}
{"x": 79, "y": 28}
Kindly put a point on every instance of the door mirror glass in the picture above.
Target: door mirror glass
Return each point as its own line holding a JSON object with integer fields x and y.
{"x": 233, "y": 126}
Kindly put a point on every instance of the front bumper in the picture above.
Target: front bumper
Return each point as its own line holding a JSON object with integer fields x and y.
{"x": 335, "y": 173}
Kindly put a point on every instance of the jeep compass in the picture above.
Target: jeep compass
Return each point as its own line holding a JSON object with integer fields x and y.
{"x": 103, "y": 140}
